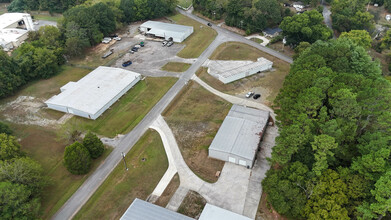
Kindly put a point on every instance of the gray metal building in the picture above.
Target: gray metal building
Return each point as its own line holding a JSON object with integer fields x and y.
{"x": 240, "y": 72}
{"x": 238, "y": 138}
{"x": 95, "y": 93}
{"x": 165, "y": 30}
{"x": 212, "y": 212}
{"x": 141, "y": 210}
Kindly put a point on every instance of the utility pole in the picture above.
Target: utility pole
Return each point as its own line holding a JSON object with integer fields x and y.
{"x": 123, "y": 157}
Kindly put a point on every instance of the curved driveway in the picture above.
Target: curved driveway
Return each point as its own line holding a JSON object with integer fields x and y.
{"x": 85, "y": 191}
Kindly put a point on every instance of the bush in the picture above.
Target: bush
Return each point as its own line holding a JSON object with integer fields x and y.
{"x": 77, "y": 159}
{"x": 4, "y": 128}
{"x": 93, "y": 144}
{"x": 276, "y": 39}
{"x": 9, "y": 147}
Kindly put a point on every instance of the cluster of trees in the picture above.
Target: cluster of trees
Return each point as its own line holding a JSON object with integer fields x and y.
{"x": 78, "y": 157}
{"x": 58, "y": 6}
{"x": 21, "y": 180}
{"x": 332, "y": 157}
{"x": 249, "y": 15}
{"x": 351, "y": 15}
{"x": 134, "y": 10}
{"x": 307, "y": 27}
{"x": 39, "y": 58}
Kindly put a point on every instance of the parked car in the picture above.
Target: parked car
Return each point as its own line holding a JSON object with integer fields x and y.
{"x": 170, "y": 43}
{"x": 135, "y": 49}
{"x": 249, "y": 94}
{"x": 209, "y": 24}
{"x": 165, "y": 43}
{"x": 117, "y": 38}
{"x": 256, "y": 96}
{"x": 127, "y": 63}
{"x": 106, "y": 40}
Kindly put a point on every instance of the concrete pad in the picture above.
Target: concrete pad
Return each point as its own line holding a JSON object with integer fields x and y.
{"x": 265, "y": 40}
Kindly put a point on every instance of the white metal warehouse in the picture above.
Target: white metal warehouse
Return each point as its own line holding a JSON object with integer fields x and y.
{"x": 223, "y": 71}
{"x": 165, "y": 30}
{"x": 141, "y": 210}
{"x": 95, "y": 93}
{"x": 239, "y": 136}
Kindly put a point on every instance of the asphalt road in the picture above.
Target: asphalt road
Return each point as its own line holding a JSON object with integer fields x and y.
{"x": 85, "y": 191}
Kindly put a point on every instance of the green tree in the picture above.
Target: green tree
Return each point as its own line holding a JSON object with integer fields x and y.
{"x": 76, "y": 39}
{"x": 94, "y": 145}
{"x": 23, "y": 171}
{"x": 360, "y": 37}
{"x": 16, "y": 202}
{"x": 301, "y": 48}
{"x": 9, "y": 147}
{"x": 307, "y": 27}
{"x": 4, "y": 128}
{"x": 77, "y": 159}
{"x": 323, "y": 147}
{"x": 350, "y": 15}
{"x": 328, "y": 198}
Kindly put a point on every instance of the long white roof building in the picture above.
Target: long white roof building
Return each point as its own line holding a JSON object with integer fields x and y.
{"x": 95, "y": 93}
{"x": 166, "y": 30}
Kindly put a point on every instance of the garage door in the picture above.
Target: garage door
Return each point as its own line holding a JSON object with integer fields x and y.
{"x": 231, "y": 159}
{"x": 242, "y": 162}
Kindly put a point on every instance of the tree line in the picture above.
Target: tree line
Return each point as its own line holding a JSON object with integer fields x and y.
{"x": 57, "y": 6}
{"x": 21, "y": 180}
{"x": 332, "y": 157}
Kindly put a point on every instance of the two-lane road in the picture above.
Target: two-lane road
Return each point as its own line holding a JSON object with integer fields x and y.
{"x": 85, "y": 191}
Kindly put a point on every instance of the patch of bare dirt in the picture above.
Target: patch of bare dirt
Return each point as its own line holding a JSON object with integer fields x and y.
{"x": 168, "y": 192}
{"x": 27, "y": 110}
{"x": 192, "y": 205}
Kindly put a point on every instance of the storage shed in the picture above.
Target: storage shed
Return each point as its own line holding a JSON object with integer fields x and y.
{"x": 95, "y": 93}
{"x": 14, "y": 28}
{"x": 238, "y": 139}
{"x": 165, "y": 30}
{"x": 141, "y": 210}
{"x": 212, "y": 212}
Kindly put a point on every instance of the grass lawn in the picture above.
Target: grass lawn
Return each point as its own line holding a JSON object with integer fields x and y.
{"x": 43, "y": 145}
{"x": 176, "y": 67}
{"x": 192, "y": 205}
{"x": 195, "y": 116}
{"x": 259, "y": 41}
{"x": 128, "y": 111}
{"x": 269, "y": 83}
{"x": 121, "y": 187}
{"x": 185, "y": 3}
{"x": 46, "y": 17}
{"x": 198, "y": 41}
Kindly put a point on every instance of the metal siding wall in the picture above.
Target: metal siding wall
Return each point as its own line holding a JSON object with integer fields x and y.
{"x": 57, "y": 108}
{"x": 218, "y": 155}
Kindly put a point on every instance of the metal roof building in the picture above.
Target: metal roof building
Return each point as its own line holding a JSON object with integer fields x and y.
{"x": 239, "y": 136}
{"x": 14, "y": 28}
{"x": 165, "y": 30}
{"x": 95, "y": 93}
{"x": 212, "y": 212}
{"x": 243, "y": 70}
{"x": 141, "y": 210}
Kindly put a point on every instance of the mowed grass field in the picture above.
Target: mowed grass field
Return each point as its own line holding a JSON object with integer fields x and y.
{"x": 128, "y": 111}
{"x": 176, "y": 67}
{"x": 43, "y": 145}
{"x": 47, "y": 144}
{"x": 195, "y": 117}
{"x": 270, "y": 81}
{"x": 185, "y": 3}
{"x": 198, "y": 41}
{"x": 121, "y": 187}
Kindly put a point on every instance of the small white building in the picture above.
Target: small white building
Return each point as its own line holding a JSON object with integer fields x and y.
{"x": 14, "y": 28}
{"x": 388, "y": 17}
{"x": 229, "y": 71}
{"x": 298, "y": 6}
{"x": 165, "y": 30}
{"x": 95, "y": 93}
{"x": 238, "y": 139}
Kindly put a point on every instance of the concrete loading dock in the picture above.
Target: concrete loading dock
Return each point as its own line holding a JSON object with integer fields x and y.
{"x": 95, "y": 93}
{"x": 165, "y": 30}
{"x": 238, "y": 139}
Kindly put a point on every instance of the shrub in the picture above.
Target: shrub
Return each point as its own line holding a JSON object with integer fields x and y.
{"x": 93, "y": 144}
{"x": 77, "y": 159}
